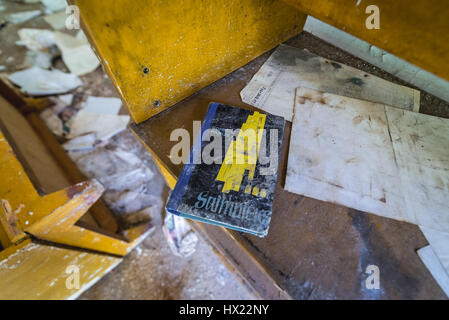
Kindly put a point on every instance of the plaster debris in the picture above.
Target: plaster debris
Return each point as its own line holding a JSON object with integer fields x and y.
{"x": 37, "y": 59}
{"x": 20, "y": 17}
{"x": 77, "y": 54}
{"x": 38, "y": 82}
{"x": 181, "y": 238}
{"x": 102, "y": 105}
{"x": 84, "y": 142}
{"x": 54, "y": 5}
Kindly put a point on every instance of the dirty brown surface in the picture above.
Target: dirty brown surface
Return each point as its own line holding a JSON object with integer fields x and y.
{"x": 314, "y": 249}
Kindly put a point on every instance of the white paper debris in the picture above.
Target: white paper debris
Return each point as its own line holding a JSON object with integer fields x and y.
{"x": 37, "y": 39}
{"x": 436, "y": 269}
{"x": 102, "y": 105}
{"x": 56, "y": 20}
{"x": 370, "y": 157}
{"x": 84, "y": 142}
{"x": 273, "y": 87}
{"x": 104, "y": 125}
{"x": 76, "y": 53}
{"x": 20, "y": 17}
{"x": 37, "y": 82}
{"x": 37, "y": 59}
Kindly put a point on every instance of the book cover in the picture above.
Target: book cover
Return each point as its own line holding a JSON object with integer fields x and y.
{"x": 230, "y": 177}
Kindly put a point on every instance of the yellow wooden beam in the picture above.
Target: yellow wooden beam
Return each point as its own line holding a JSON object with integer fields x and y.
{"x": 416, "y": 31}
{"x": 34, "y": 271}
{"x": 52, "y": 217}
{"x": 159, "y": 52}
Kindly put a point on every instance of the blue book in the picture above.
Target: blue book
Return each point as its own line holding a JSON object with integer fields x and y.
{"x": 230, "y": 177}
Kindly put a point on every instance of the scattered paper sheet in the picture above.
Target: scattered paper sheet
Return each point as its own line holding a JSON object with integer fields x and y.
{"x": 436, "y": 269}
{"x": 371, "y": 157}
{"x": 54, "y": 5}
{"x": 273, "y": 87}
{"x": 77, "y": 54}
{"x": 84, "y": 142}
{"x": 37, "y": 82}
{"x": 36, "y": 39}
{"x": 103, "y": 105}
{"x": 56, "y": 20}
{"x": 104, "y": 125}
{"x": 37, "y": 59}
{"x": 20, "y": 17}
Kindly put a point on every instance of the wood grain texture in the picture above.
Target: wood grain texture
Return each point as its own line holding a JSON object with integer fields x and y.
{"x": 314, "y": 249}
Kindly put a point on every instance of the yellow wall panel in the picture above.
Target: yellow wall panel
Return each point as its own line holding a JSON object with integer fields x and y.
{"x": 159, "y": 52}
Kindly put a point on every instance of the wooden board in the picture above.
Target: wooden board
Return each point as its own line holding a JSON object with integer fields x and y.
{"x": 273, "y": 87}
{"x": 370, "y": 157}
{"x": 314, "y": 249}
{"x": 160, "y": 52}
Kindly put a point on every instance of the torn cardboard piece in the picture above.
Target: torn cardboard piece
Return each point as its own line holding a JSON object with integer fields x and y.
{"x": 273, "y": 87}
{"x": 77, "y": 53}
{"x": 370, "y": 157}
{"x": 39, "y": 82}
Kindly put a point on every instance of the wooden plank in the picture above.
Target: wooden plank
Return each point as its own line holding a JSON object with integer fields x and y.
{"x": 313, "y": 249}
{"x": 158, "y": 53}
{"x": 100, "y": 212}
{"x": 414, "y": 32}
{"x": 273, "y": 87}
{"x": 370, "y": 157}
{"x": 42, "y": 272}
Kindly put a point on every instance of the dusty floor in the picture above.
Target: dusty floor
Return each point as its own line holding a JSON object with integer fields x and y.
{"x": 152, "y": 271}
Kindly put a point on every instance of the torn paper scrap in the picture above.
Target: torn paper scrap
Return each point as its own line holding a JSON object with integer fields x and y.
{"x": 38, "y": 82}
{"x": 77, "y": 53}
{"x": 20, "y": 17}
{"x": 54, "y": 5}
{"x": 36, "y": 39}
{"x": 273, "y": 87}
{"x": 56, "y": 20}
{"x": 104, "y": 125}
{"x": 370, "y": 157}
{"x": 436, "y": 269}
{"x": 103, "y": 105}
{"x": 84, "y": 142}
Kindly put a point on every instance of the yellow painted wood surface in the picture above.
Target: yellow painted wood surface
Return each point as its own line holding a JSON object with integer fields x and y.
{"x": 416, "y": 31}
{"x": 159, "y": 52}
{"x": 37, "y": 271}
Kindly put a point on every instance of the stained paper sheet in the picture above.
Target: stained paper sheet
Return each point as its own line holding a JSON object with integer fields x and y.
{"x": 370, "y": 157}
{"x": 273, "y": 87}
